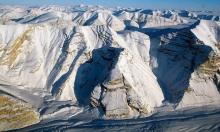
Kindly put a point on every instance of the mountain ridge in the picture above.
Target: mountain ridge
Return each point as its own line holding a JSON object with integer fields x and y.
{"x": 121, "y": 63}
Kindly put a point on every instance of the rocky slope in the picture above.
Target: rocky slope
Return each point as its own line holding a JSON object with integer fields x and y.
{"x": 124, "y": 63}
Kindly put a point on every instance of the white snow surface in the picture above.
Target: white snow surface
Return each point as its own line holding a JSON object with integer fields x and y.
{"x": 65, "y": 55}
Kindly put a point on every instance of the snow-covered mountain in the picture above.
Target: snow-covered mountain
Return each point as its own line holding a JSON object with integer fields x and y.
{"x": 114, "y": 63}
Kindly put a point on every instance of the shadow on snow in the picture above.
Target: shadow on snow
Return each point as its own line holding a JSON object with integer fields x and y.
{"x": 94, "y": 72}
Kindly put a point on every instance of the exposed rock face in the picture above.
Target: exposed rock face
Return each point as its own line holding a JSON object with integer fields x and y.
{"x": 177, "y": 56}
{"x": 117, "y": 97}
{"x": 94, "y": 72}
{"x": 115, "y": 104}
{"x": 211, "y": 66}
{"x": 216, "y": 79}
{"x": 203, "y": 85}
{"x": 186, "y": 64}
{"x": 124, "y": 63}
{"x": 116, "y": 92}
{"x": 204, "y": 80}
{"x": 16, "y": 114}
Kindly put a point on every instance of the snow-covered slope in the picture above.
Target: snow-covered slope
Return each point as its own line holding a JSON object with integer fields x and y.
{"x": 121, "y": 63}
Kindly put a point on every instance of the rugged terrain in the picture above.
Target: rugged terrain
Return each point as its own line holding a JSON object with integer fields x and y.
{"x": 60, "y": 63}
